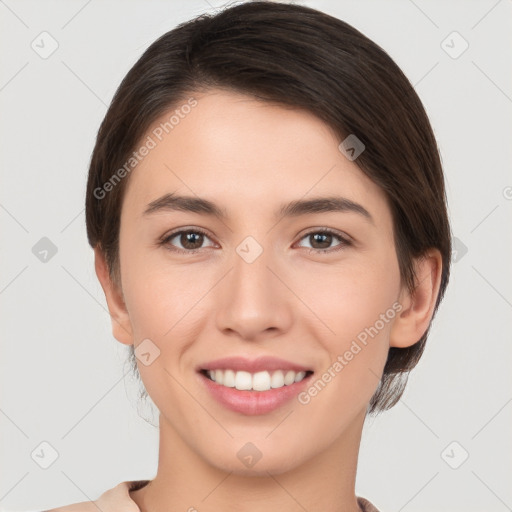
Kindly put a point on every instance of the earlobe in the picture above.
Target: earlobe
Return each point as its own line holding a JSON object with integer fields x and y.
{"x": 121, "y": 326}
{"x": 418, "y": 307}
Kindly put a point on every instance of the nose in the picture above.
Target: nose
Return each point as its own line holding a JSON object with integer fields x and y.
{"x": 254, "y": 302}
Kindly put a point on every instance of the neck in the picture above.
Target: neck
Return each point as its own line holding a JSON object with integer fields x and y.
{"x": 185, "y": 481}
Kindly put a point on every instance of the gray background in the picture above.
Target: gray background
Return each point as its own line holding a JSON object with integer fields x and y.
{"x": 62, "y": 371}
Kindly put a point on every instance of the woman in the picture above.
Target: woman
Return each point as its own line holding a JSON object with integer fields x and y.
{"x": 267, "y": 208}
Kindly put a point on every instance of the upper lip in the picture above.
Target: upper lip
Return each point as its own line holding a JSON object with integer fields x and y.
{"x": 252, "y": 365}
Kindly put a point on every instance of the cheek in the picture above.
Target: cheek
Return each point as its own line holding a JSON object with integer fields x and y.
{"x": 359, "y": 309}
{"x": 159, "y": 300}
{"x": 350, "y": 298}
{"x": 157, "y": 292}
{"x": 162, "y": 305}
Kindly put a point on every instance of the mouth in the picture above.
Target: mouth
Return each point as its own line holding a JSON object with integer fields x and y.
{"x": 259, "y": 381}
{"x": 253, "y": 387}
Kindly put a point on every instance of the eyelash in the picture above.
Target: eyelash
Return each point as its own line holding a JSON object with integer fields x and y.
{"x": 344, "y": 242}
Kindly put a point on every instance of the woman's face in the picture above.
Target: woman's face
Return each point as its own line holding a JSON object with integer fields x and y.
{"x": 253, "y": 288}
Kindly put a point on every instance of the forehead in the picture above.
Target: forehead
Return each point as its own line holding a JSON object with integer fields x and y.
{"x": 243, "y": 154}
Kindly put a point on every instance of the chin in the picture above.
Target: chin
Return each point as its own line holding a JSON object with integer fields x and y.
{"x": 256, "y": 459}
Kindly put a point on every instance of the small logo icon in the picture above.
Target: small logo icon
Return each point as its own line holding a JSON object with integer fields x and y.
{"x": 249, "y": 249}
{"x": 44, "y": 45}
{"x": 146, "y": 352}
{"x": 454, "y": 455}
{"x": 351, "y": 147}
{"x": 454, "y": 45}
{"x": 249, "y": 455}
{"x": 459, "y": 250}
{"x": 44, "y": 250}
{"x": 44, "y": 455}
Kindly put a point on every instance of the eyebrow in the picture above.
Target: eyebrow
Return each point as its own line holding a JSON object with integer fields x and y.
{"x": 173, "y": 202}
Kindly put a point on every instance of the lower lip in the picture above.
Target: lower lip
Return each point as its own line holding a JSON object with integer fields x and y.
{"x": 253, "y": 403}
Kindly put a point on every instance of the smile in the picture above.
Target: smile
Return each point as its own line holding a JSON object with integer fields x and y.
{"x": 259, "y": 381}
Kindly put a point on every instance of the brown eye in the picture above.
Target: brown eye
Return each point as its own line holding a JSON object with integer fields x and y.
{"x": 324, "y": 240}
{"x": 189, "y": 241}
{"x": 321, "y": 241}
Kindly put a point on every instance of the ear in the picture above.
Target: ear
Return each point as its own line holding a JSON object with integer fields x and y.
{"x": 418, "y": 307}
{"x": 121, "y": 326}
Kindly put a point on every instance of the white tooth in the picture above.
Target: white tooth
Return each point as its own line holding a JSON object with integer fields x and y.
{"x": 229, "y": 378}
{"x": 243, "y": 380}
{"x": 277, "y": 380}
{"x": 300, "y": 376}
{"x": 289, "y": 378}
{"x": 261, "y": 381}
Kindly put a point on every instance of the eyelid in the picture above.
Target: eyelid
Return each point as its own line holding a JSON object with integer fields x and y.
{"x": 330, "y": 231}
{"x": 344, "y": 239}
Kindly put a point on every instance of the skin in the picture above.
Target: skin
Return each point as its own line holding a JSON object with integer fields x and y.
{"x": 249, "y": 157}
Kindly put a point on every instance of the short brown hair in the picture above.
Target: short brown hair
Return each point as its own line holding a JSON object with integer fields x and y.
{"x": 303, "y": 58}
